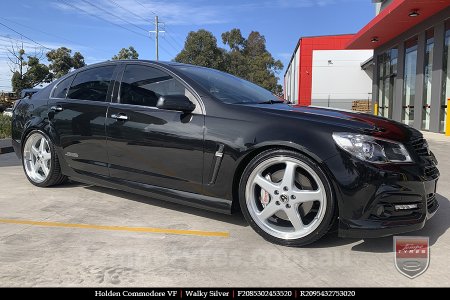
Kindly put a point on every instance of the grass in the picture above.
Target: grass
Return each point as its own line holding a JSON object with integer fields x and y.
{"x": 5, "y": 127}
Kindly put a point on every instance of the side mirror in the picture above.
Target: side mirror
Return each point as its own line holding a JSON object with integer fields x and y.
{"x": 176, "y": 102}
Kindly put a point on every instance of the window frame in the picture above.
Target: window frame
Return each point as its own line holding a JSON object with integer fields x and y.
{"x": 109, "y": 91}
{"x": 120, "y": 78}
{"x": 60, "y": 81}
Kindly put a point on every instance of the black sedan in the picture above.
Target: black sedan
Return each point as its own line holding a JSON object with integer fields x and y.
{"x": 204, "y": 138}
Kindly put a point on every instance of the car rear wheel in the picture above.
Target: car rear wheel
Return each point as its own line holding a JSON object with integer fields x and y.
{"x": 286, "y": 198}
{"x": 40, "y": 161}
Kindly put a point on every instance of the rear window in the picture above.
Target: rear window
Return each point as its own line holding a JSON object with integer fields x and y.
{"x": 91, "y": 84}
{"x": 60, "y": 91}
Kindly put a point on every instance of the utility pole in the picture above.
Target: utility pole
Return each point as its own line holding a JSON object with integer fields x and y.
{"x": 157, "y": 37}
{"x": 156, "y": 32}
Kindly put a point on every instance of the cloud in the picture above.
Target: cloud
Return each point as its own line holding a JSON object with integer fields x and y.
{"x": 143, "y": 13}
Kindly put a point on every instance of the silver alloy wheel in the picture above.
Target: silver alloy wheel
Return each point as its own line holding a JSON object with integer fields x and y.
{"x": 285, "y": 197}
{"x": 37, "y": 157}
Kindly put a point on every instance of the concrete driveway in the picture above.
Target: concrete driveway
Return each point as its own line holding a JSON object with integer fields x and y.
{"x": 78, "y": 235}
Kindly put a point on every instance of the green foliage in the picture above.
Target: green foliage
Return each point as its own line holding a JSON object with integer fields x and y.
{"x": 5, "y": 127}
{"x": 125, "y": 53}
{"x": 62, "y": 61}
{"x": 201, "y": 49}
{"x": 36, "y": 73}
{"x": 247, "y": 58}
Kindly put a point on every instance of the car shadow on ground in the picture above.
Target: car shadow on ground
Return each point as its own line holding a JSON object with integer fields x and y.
{"x": 235, "y": 219}
{"x": 434, "y": 228}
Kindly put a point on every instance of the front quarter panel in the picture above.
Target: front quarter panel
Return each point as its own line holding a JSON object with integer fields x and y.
{"x": 244, "y": 132}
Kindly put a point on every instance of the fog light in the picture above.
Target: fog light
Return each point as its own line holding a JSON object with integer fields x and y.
{"x": 405, "y": 206}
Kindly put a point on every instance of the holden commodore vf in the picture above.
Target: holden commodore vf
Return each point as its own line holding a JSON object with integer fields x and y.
{"x": 207, "y": 139}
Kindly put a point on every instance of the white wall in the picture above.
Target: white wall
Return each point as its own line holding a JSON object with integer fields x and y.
{"x": 291, "y": 79}
{"x": 338, "y": 79}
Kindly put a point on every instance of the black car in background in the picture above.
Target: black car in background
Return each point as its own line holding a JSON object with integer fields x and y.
{"x": 204, "y": 138}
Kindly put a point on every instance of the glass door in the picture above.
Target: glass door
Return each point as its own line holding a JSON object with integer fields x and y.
{"x": 386, "y": 82}
{"x": 446, "y": 82}
{"x": 409, "y": 89}
{"x": 428, "y": 72}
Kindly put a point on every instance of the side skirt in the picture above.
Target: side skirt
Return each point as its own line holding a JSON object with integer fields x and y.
{"x": 180, "y": 197}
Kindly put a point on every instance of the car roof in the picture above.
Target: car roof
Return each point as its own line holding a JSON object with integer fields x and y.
{"x": 161, "y": 63}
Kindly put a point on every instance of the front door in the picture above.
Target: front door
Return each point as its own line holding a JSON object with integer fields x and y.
{"x": 78, "y": 107}
{"x": 150, "y": 145}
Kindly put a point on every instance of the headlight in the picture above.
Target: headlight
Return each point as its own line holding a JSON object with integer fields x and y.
{"x": 372, "y": 149}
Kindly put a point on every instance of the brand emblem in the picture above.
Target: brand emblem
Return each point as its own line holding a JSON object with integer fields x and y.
{"x": 412, "y": 255}
{"x": 284, "y": 198}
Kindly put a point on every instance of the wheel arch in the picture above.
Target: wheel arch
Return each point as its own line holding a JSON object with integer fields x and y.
{"x": 252, "y": 153}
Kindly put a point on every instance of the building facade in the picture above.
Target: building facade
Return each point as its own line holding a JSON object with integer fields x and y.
{"x": 411, "y": 78}
{"x": 323, "y": 73}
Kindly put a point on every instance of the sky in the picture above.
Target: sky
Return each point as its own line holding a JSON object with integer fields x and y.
{"x": 100, "y": 28}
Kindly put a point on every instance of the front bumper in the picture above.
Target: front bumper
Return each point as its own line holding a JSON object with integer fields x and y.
{"x": 368, "y": 195}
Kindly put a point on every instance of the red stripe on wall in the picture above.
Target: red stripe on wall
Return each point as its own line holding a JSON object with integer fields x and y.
{"x": 307, "y": 46}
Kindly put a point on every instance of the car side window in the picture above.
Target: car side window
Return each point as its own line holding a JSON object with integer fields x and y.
{"x": 60, "y": 91}
{"x": 143, "y": 85}
{"x": 91, "y": 84}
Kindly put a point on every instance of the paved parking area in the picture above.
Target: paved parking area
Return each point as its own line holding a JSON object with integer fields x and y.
{"x": 78, "y": 235}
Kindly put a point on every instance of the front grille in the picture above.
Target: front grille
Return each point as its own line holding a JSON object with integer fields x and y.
{"x": 420, "y": 146}
{"x": 432, "y": 172}
{"x": 432, "y": 203}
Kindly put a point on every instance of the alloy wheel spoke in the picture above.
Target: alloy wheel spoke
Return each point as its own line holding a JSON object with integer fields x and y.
{"x": 269, "y": 210}
{"x": 42, "y": 145}
{"x": 34, "y": 150}
{"x": 289, "y": 175}
{"x": 302, "y": 196}
{"x": 44, "y": 168}
{"x": 46, "y": 156}
{"x": 36, "y": 166}
{"x": 265, "y": 184}
{"x": 294, "y": 218}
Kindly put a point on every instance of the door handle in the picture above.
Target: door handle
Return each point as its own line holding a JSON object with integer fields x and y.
{"x": 121, "y": 117}
{"x": 57, "y": 108}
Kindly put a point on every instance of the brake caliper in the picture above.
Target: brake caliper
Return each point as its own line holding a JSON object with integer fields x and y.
{"x": 265, "y": 196}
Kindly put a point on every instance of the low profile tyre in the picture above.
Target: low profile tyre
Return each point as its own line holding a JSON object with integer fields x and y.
{"x": 40, "y": 161}
{"x": 286, "y": 198}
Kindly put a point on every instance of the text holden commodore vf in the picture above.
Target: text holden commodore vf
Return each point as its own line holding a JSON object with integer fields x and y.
{"x": 204, "y": 138}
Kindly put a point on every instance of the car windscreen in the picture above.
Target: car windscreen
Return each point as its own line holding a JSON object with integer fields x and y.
{"x": 228, "y": 88}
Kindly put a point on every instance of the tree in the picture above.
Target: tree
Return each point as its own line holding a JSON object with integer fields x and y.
{"x": 246, "y": 58}
{"x": 263, "y": 67}
{"x": 27, "y": 72}
{"x": 62, "y": 61}
{"x": 125, "y": 53}
{"x": 201, "y": 49}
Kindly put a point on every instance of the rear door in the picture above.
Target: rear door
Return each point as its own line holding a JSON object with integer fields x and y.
{"x": 150, "y": 145}
{"x": 78, "y": 107}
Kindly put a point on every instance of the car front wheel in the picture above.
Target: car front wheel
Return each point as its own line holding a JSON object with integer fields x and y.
{"x": 286, "y": 198}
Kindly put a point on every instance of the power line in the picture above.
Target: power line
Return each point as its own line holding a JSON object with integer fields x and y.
{"x": 103, "y": 19}
{"x": 169, "y": 43}
{"x": 115, "y": 16}
{"x": 142, "y": 18}
{"x": 22, "y": 35}
{"x": 138, "y": 2}
{"x": 173, "y": 39}
{"x": 129, "y": 11}
{"x": 49, "y": 34}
